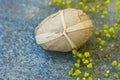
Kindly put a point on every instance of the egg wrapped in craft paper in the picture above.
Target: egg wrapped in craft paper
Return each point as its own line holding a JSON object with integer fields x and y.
{"x": 65, "y": 30}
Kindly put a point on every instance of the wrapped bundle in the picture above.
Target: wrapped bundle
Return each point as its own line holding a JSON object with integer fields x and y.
{"x": 65, "y": 30}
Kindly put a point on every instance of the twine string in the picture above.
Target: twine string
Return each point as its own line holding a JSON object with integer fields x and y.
{"x": 72, "y": 44}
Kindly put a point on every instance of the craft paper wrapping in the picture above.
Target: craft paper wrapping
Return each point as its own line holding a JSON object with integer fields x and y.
{"x": 65, "y": 30}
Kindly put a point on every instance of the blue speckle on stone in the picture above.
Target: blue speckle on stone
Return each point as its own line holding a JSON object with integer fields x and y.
{"x": 20, "y": 57}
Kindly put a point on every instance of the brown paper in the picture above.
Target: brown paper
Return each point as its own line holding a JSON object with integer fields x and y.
{"x": 65, "y": 30}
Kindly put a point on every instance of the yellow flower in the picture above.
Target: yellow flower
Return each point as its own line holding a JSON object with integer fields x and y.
{"x": 107, "y": 2}
{"x": 90, "y": 78}
{"x": 86, "y": 61}
{"x": 114, "y": 63}
{"x": 74, "y": 52}
{"x": 108, "y": 35}
{"x": 85, "y": 8}
{"x": 89, "y": 65}
{"x": 81, "y": 4}
{"x": 116, "y": 75}
{"x": 105, "y": 31}
{"x": 97, "y": 33}
{"x": 111, "y": 30}
{"x": 99, "y": 39}
{"x": 102, "y": 16}
{"x": 86, "y": 54}
{"x": 86, "y": 74}
{"x": 83, "y": 78}
{"x": 55, "y": 1}
{"x": 70, "y": 72}
{"x": 77, "y": 65}
{"x": 106, "y": 75}
{"x": 80, "y": 55}
{"x": 116, "y": 25}
{"x": 77, "y": 72}
{"x": 91, "y": 60}
{"x": 105, "y": 12}
{"x": 102, "y": 42}
{"x": 50, "y": 3}
{"x": 118, "y": 65}
{"x": 105, "y": 26}
{"x": 108, "y": 71}
{"x": 78, "y": 60}
{"x": 78, "y": 78}
{"x": 93, "y": 9}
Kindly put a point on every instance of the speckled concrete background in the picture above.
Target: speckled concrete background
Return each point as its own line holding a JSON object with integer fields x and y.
{"x": 20, "y": 57}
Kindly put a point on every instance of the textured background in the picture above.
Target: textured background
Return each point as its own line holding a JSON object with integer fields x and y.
{"x": 20, "y": 57}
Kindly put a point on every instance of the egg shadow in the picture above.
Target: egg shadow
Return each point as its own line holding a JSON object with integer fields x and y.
{"x": 59, "y": 55}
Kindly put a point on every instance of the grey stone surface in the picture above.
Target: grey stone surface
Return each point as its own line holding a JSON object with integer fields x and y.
{"x": 20, "y": 57}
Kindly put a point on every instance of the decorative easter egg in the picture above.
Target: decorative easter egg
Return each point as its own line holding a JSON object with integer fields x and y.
{"x": 65, "y": 30}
